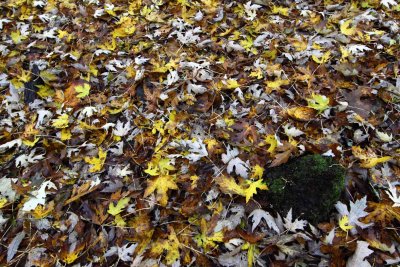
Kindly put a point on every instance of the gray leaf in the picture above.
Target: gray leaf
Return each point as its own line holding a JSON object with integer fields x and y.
{"x": 13, "y": 247}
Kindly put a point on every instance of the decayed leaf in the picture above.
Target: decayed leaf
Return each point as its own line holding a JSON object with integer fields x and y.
{"x": 13, "y": 246}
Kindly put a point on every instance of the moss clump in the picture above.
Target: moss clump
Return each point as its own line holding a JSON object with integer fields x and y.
{"x": 310, "y": 185}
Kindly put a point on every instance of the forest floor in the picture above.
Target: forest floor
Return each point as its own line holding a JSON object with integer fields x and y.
{"x": 139, "y": 133}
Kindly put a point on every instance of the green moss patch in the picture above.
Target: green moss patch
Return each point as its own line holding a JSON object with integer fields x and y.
{"x": 310, "y": 185}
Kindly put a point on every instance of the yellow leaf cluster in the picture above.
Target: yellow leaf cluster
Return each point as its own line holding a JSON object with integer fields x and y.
{"x": 161, "y": 185}
{"x": 368, "y": 158}
{"x": 126, "y": 28}
{"x": 97, "y": 163}
{"x": 61, "y": 122}
{"x": 117, "y": 209}
{"x": 228, "y": 185}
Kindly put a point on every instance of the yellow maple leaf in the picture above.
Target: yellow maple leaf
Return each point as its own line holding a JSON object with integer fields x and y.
{"x": 346, "y": 29}
{"x": 97, "y": 162}
{"x": 280, "y": 10}
{"x": 117, "y": 209}
{"x": 257, "y": 74}
{"x": 65, "y": 134}
{"x": 3, "y": 202}
{"x": 61, "y": 122}
{"x": 70, "y": 257}
{"x": 324, "y": 58}
{"x": 45, "y": 91}
{"x": 42, "y": 211}
{"x": 251, "y": 252}
{"x": 170, "y": 245}
{"x": 82, "y": 90}
{"x": 252, "y": 189}
{"x": 159, "y": 166}
{"x": 228, "y": 185}
{"x": 17, "y": 37}
{"x": 272, "y": 142}
{"x": 258, "y": 172}
{"x": 372, "y": 162}
{"x": 208, "y": 240}
{"x": 232, "y": 84}
{"x": 161, "y": 185}
{"x": 119, "y": 221}
{"x": 318, "y": 102}
{"x": 29, "y": 142}
{"x": 126, "y": 28}
{"x": 344, "y": 223}
{"x": 368, "y": 158}
{"x": 275, "y": 85}
{"x": 109, "y": 45}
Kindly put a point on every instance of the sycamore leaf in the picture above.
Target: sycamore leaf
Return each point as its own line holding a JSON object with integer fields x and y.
{"x": 393, "y": 195}
{"x": 38, "y": 196}
{"x": 82, "y": 90}
{"x": 291, "y": 225}
{"x": 388, "y": 3}
{"x": 358, "y": 258}
{"x": 259, "y": 214}
{"x": 122, "y": 203}
{"x": 318, "y": 102}
{"x": 97, "y": 163}
{"x": 61, "y": 122}
{"x": 355, "y": 214}
{"x": 161, "y": 185}
{"x": 240, "y": 167}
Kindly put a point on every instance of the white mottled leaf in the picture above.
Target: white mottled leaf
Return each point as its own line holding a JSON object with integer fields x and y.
{"x": 359, "y": 255}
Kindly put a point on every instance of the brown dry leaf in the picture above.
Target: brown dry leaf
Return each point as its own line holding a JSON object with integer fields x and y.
{"x": 302, "y": 113}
